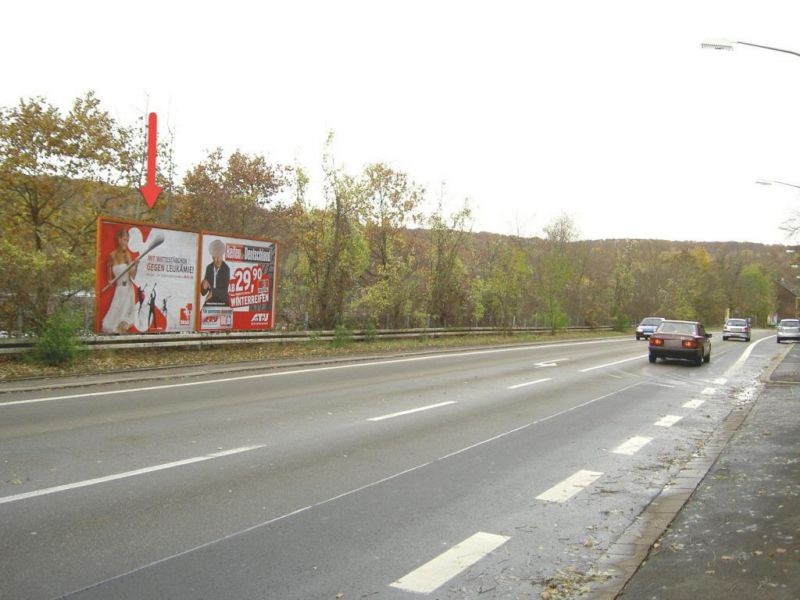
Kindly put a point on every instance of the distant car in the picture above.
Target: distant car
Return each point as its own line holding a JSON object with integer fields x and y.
{"x": 788, "y": 329}
{"x": 687, "y": 340}
{"x": 648, "y": 326}
{"x": 736, "y": 328}
{"x": 3, "y": 334}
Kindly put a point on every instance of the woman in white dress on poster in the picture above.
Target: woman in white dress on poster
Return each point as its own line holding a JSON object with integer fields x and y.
{"x": 121, "y": 313}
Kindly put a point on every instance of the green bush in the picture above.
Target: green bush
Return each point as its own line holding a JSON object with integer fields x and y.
{"x": 621, "y": 323}
{"x": 370, "y": 332}
{"x": 56, "y": 342}
{"x": 341, "y": 337}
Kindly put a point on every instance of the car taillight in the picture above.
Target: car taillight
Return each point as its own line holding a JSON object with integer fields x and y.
{"x": 691, "y": 344}
{"x": 654, "y": 341}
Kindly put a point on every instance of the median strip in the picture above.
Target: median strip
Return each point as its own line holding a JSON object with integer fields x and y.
{"x": 107, "y": 478}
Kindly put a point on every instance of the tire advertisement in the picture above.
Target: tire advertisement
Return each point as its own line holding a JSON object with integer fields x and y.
{"x": 155, "y": 279}
{"x": 237, "y": 286}
{"x": 145, "y": 278}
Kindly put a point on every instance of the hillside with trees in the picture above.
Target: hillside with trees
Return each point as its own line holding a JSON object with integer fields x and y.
{"x": 362, "y": 251}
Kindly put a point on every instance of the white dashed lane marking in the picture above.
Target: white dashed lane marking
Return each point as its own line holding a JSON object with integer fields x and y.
{"x": 632, "y": 446}
{"x": 696, "y": 403}
{"x": 527, "y": 383}
{"x": 434, "y": 574}
{"x": 709, "y": 391}
{"x": 667, "y": 421}
{"x": 411, "y": 411}
{"x": 565, "y": 490}
{"x": 611, "y": 364}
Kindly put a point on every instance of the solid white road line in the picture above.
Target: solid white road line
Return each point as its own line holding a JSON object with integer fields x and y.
{"x": 611, "y": 364}
{"x": 144, "y": 471}
{"x": 667, "y": 421}
{"x": 304, "y": 371}
{"x": 632, "y": 446}
{"x": 696, "y": 403}
{"x": 434, "y": 574}
{"x": 519, "y": 385}
{"x": 413, "y": 410}
{"x": 745, "y": 355}
{"x": 565, "y": 490}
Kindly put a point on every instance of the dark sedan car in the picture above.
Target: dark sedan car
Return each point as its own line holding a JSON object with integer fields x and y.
{"x": 687, "y": 340}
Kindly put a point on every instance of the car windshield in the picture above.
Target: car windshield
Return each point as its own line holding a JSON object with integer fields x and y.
{"x": 789, "y": 323}
{"x": 652, "y": 321}
{"x": 673, "y": 327}
{"x": 737, "y": 322}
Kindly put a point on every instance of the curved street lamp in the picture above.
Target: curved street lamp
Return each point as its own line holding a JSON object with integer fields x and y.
{"x": 728, "y": 45}
{"x": 773, "y": 181}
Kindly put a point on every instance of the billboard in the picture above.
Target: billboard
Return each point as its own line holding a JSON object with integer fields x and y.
{"x": 146, "y": 278}
{"x": 236, "y": 290}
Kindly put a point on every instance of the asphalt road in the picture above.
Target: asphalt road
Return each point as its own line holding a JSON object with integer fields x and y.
{"x": 452, "y": 475}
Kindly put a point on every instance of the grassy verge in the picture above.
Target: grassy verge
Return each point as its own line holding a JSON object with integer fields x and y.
{"x": 112, "y": 361}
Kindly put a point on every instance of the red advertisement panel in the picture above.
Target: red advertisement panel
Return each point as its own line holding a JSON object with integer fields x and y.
{"x": 146, "y": 278}
{"x": 237, "y": 283}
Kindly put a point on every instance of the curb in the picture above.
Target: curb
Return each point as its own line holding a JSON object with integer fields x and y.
{"x": 624, "y": 556}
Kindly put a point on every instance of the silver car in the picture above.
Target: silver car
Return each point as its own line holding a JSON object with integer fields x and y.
{"x": 736, "y": 328}
{"x": 788, "y": 329}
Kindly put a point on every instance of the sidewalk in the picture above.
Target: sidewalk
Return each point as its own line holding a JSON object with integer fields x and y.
{"x": 738, "y": 533}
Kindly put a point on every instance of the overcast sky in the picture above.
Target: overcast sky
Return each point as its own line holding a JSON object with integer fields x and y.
{"x": 607, "y": 111}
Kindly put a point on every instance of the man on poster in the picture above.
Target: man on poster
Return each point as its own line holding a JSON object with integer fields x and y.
{"x": 215, "y": 284}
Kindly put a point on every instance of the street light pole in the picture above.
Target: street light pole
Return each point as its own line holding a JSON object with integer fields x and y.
{"x": 728, "y": 45}
{"x": 773, "y": 181}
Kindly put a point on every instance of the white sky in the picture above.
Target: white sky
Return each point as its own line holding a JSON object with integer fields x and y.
{"x": 607, "y": 111}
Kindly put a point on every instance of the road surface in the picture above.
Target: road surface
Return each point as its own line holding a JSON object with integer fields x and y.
{"x": 445, "y": 475}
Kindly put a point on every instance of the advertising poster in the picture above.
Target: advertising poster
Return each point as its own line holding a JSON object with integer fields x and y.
{"x": 146, "y": 278}
{"x": 237, "y": 283}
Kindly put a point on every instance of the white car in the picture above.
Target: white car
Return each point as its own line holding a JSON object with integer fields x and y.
{"x": 788, "y": 329}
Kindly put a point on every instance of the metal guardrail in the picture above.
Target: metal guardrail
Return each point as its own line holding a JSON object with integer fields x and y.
{"x": 207, "y": 340}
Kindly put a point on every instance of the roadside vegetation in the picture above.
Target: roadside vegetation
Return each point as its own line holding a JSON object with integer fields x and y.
{"x": 360, "y": 249}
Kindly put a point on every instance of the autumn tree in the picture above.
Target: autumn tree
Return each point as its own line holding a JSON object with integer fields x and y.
{"x": 754, "y": 294}
{"x": 447, "y": 277}
{"x": 58, "y": 172}
{"x": 555, "y": 270}
{"x": 332, "y": 250}
{"x": 231, "y": 195}
{"x": 499, "y": 287}
{"x": 392, "y": 202}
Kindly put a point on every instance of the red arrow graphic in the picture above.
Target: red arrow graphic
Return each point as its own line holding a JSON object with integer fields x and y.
{"x": 150, "y": 190}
